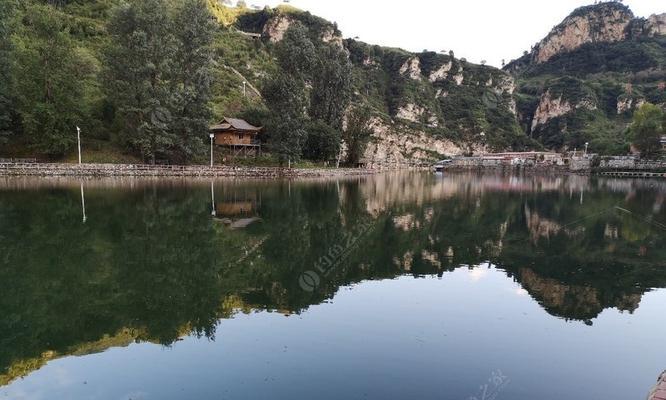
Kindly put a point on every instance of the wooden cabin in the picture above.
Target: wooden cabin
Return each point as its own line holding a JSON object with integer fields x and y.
{"x": 237, "y": 135}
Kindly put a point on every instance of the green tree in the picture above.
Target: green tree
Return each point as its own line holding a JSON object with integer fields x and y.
{"x": 647, "y": 129}
{"x": 296, "y": 54}
{"x": 323, "y": 141}
{"x": 309, "y": 95}
{"x": 286, "y": 124}
{"x": 331, "y": 86}
{"x": 48, "y": 73}
{"x": 286, "y": 138}
{"x": 141, "y": 70}
{"x": 7, "y": 14}
{"x": 286, "y": 94}
{"x": 357, "y": 134}
{"x": 194, "y": 66}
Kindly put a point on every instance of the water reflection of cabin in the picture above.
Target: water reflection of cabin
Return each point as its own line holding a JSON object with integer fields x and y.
{"x": 238, "y": 136}
{"x": 238, "y": 209}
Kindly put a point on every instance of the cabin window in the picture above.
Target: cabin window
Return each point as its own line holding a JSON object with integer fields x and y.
{"x": 240, "y": 136}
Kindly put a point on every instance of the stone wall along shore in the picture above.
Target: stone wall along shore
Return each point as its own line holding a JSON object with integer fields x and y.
{"x": 131, "y": 170}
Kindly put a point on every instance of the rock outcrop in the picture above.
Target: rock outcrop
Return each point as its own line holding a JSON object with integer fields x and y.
{"x": 656, "y": 25}
{"x": 276, "y": 27}
{"x": 410, "y": 112}
{"x": 412, "y": 68}
{"x": 395, "y": 144}
{"x": 551, "y": 106}
{"x": 331, "y": 36}
{"x": 625, "y": 103}
{"x": 441, "y": 73}
{"x": 599, "y": 23}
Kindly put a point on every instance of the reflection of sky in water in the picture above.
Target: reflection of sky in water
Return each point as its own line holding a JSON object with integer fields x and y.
{"x": 433, "y": 338}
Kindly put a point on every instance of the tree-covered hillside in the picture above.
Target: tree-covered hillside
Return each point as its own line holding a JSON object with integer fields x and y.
{"x": 143, "y": 79}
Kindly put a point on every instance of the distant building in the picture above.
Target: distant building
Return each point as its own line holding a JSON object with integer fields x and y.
{"x": 237, "y": 135}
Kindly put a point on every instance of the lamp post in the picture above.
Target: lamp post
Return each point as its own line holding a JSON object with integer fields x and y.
{"x": 586, "y": 145}
{"x": 78, "y": 137}
{"x": 244, "y": 89}
{"x": 212, "y": 136}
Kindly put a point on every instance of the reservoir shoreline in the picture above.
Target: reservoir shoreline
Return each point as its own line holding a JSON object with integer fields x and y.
{"x": 136, "y": 170}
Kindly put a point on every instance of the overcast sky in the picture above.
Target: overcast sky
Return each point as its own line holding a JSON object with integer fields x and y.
{"x": 478, "y": 30}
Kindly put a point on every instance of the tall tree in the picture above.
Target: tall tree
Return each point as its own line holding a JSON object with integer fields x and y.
{"x": 48, "y": 75}
{"x": 141, "y": 71}
{"x": 647, "y": 129}
{"x": 7, "y": 14}
{"x": 331, "y": 86}
{"x": 286, "y": 126}
{"x": 194, "y": 65}
{"x": 286, "y": 94}
{"x": 357, "y": 134}
{"x": 323, "y": 141}
{"x": 296, "y": 54}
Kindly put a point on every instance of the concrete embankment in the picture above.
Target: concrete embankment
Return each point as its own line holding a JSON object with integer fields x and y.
{"x": 104, "y": 170}
{"x": 627, "y": 167}
{"x": 631, "y": 167}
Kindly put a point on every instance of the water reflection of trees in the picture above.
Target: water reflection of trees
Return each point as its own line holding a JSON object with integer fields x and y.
{"x": 151, "y": 264}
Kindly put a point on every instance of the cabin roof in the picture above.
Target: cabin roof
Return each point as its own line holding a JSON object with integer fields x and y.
{"x": 234, "y": 124}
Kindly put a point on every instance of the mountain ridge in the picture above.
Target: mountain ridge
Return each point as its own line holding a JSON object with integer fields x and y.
{"x": 579, "y": 84}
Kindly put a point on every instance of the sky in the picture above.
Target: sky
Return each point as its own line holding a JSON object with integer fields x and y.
{"x": 475, "y": 29}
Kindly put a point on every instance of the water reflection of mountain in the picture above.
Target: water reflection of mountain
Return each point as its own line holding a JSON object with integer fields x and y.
{"x": 152, "y": 264}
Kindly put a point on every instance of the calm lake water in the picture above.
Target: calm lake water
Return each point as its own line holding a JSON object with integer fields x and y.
{"x": 391, "y": 287}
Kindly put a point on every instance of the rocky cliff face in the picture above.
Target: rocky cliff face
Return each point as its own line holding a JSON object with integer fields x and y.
{"x": 599, "y": 23}
{"x": 412, "y": 68}
{"x": 276, "y": 27}
{"x": 551, "y": 106}
{"x": 583, "y": 81}
{"x": 656, "y": 25}
{"x": 394, "y": 143}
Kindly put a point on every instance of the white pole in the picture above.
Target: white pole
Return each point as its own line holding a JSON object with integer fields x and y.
{"x": 211, "y": 150}
{"x": 586, "y": 145}
{"x": 244, "y": 89}
{"x": 78, "y": 136}
{"x": 212, "y": 197}
{"x": 83, "y": 204}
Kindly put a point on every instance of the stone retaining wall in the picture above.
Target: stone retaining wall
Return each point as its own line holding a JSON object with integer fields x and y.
{"x": 489, "y": 166}
{"x": 102, "y": 170}
{"x": 631, "y": 164}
